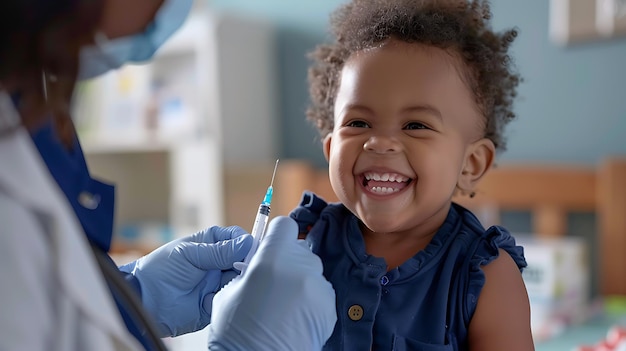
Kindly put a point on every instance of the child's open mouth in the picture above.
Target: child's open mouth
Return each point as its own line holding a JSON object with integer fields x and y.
{"x": 385, "y": 183}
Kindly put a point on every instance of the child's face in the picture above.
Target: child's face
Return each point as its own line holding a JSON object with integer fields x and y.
{"x": 407, "y": 131}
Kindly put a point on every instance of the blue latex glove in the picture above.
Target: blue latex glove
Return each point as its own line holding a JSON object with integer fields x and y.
{"x": 282, "y": 302}
{"x": 179, "y": 279}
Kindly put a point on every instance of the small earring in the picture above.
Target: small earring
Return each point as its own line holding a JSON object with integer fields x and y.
{"x": 462, "y": 191}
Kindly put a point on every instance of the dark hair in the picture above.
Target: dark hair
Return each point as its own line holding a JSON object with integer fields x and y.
{"x": 460, "y": 26}
{"x": 39, "y": 36}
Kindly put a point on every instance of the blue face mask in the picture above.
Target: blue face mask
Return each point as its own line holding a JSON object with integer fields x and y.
{"x": 107, "y": 54}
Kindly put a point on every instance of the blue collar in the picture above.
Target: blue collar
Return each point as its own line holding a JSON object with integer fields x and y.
{"x": 91, "y": 200}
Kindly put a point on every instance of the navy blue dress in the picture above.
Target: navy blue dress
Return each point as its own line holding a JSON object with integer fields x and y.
{"x": 424, "y": 304}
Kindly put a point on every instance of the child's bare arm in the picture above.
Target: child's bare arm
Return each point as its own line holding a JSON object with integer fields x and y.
{"x": 502, "y": 317}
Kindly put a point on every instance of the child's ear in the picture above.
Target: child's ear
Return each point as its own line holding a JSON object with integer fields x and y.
{"x": 479, "y": 159}
{"x": 326, "y": 145}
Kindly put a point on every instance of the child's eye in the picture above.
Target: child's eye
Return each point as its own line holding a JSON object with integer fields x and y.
{"x": 415, "y": 125}
{"x": 357, "y": 124}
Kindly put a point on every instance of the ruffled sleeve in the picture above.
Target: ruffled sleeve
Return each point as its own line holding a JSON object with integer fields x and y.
{"x": 308, "y": 211}
{"x": 498, "y": 238}
{"x": 487, "y": 250}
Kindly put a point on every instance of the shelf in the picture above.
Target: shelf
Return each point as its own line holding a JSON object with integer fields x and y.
{"x": 124, "y": 145}
{"x": 170, "y": 169}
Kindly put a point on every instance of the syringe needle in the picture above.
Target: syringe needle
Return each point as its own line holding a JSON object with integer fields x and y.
{"x": 270, "y": 190}
{"x": 260, "y": 221}
{"x": 273, "y": 174}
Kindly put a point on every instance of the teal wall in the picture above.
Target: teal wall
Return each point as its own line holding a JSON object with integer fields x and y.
{"x": 571, "y": 107}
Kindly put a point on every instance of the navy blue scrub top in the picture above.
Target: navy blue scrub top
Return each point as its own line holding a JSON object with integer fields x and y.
{"x": 91, "y": 200}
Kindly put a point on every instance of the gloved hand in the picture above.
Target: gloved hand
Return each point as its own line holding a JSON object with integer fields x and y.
{"x": 282, "y": 302}
{"x": 179, "y": 279}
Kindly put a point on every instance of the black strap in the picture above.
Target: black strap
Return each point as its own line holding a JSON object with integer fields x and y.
{"x": 128, "y": 297}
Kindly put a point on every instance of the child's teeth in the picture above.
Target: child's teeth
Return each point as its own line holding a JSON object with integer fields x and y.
{"x": 383, "y": 190}
{"x": 386, "y": 177}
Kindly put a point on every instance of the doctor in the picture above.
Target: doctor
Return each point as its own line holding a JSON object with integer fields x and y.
{"x": 60, "y": 290}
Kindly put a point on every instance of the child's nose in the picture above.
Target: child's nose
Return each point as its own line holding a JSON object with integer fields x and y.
{"x": 381, "y": 144}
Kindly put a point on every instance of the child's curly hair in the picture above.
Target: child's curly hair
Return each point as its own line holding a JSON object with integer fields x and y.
{"x": 461, "y": 26}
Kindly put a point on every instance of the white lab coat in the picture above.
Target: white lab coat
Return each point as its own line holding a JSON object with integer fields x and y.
{"x": 52, "y": 294}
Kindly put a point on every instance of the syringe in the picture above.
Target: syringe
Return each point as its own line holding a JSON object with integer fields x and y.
{"x": 260, "y": 222}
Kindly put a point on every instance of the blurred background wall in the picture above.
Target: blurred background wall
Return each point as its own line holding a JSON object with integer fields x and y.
{"x": 571, "y": 106}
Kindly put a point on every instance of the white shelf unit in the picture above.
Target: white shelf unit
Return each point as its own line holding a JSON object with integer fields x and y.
{"x": 166, "y": 132}
{"x": 219, "y": 113}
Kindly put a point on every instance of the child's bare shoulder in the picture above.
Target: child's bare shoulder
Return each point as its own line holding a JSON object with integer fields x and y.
{"x": 502, "y": 317}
